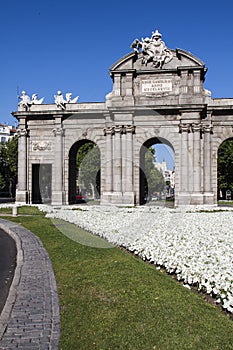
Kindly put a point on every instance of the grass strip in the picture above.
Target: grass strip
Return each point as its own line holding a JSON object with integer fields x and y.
{"x": 111, "y": 300}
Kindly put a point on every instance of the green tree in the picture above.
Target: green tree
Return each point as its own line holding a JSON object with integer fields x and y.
{"x": 225, "y": 166}
{"x": 4, "y": 179}
{"x": 88, "y": 168}
{"x": 9, "y": 166}
{"x": 154, "y": 179}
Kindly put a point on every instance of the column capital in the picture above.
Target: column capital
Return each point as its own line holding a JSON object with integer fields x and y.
{"x": 130, "y": 129}
{"x": 207, "y": 129}
{"x": 58, "y": 131}
{"x": 196, "y": 127}
{"x": 184, "y": 128}
{"x": 22, "y": 132}
{"x": 119, "y": 129}
{"x": 109, "y": 130}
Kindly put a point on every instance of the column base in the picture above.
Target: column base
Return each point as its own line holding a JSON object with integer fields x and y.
{"x": 195, "y": 198}
{"x": 184, "y": 198}
{"x": 58, "y": 198}
{"x": 22, "y": 197}
{"x": 118, "y": 198}
{"x": 209, "y": 198}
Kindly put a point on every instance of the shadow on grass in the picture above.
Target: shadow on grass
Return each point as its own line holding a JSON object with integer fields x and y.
{"x": 111, "y": 300}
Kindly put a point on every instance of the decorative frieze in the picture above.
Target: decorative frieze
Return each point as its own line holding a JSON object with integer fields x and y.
{"x": 41, "y": 146}
{"x": 119, "y": 129}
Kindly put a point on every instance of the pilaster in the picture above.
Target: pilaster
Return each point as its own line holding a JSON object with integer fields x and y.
{"x": 58, "y": 196}
{"x": 22, "y": 192}
{"x": 207, "y": 131}
{"x": 118, "y": 186}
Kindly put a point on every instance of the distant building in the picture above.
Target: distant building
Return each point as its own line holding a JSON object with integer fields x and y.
{"x": 169, "y": 175}
{"x": 6, "y": 132}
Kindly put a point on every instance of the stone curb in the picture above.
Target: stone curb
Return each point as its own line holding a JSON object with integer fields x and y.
{"x": 30, "y": 318}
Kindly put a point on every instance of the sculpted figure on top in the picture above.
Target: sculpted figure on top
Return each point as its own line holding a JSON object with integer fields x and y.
{"x": 153, "y": 50}
{"x": 61, "y": 102}
{"x": 26, "y": 102}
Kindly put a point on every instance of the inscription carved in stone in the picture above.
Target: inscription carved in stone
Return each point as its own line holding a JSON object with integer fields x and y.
{"x": 156, "y": 85}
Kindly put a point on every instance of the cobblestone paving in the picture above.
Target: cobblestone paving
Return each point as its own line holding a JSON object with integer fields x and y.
{"x": 30, "y": 319}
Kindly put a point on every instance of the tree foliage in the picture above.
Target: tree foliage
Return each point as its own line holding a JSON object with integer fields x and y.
{"x": 225, "y": 166}
{"x": 88, "y": 168}
{"x": 154, "y": 179}
{"x": 9, "y": 166}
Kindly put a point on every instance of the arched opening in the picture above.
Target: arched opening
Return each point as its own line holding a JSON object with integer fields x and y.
{"x": 157, "y": 172}
{"x": 84, "y": 172}
{"x": 225, "y": 171}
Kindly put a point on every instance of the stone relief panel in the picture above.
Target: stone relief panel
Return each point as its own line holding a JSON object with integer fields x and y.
{"x": 41, "y": 146}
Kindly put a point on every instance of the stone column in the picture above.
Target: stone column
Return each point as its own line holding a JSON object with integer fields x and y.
{"x": 196, "y": 128}
{"x": 117, "y": 85}
{"x": 117, "y": 160}
{"x": 196, "y": 82}
{"x": 197, "y": 195}
{"x": 130, "y": 130}
{"x": 127, "y": 166}
{"x": 22, "y": 188}
{"x": 124, "y": 160}
{"x": 207, "y": 130}
{"x": 108, "y": 159}
{"x": 183, "y": 195}
{"x": 57, "y": 193}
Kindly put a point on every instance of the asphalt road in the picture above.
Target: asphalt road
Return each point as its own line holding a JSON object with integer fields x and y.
{"x": 7, "y": 265}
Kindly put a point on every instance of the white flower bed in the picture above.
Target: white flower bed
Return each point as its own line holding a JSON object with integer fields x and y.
{"x": 196, "y": 246}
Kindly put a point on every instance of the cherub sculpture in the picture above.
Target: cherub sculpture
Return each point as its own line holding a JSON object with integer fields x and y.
{"x": 61, "y": 102}
{"x": 26, "y": 102}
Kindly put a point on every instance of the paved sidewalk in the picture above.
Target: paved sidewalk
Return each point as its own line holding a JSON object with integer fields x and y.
{"x": 30, "y": 319}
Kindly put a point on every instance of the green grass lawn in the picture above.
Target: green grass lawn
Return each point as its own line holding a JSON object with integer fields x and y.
{"x": 111, "y": 300}
{"x": 225, "y": 203}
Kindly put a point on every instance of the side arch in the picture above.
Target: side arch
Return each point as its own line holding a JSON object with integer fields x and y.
{"x": 225, "y": 170}
{"x": 73, "y": 186}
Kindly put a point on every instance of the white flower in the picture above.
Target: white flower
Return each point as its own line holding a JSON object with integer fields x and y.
{"x": 198, "y": 247}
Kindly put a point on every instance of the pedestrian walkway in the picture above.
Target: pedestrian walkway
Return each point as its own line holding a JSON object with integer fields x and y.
{"x": 30, "y": 319}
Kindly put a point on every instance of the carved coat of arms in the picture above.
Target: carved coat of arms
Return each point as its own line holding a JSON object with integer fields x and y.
{"x": 153, "y": 50}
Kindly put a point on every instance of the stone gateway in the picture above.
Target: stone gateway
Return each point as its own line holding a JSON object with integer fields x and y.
{"x": 157, "y": 97}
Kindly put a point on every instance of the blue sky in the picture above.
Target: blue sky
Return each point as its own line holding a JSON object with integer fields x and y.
{"x": 52, "y": 45}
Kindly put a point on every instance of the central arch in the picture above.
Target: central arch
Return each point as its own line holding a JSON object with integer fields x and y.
{"x": 145, "y": 192}
{"x": 84, "y": 171}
